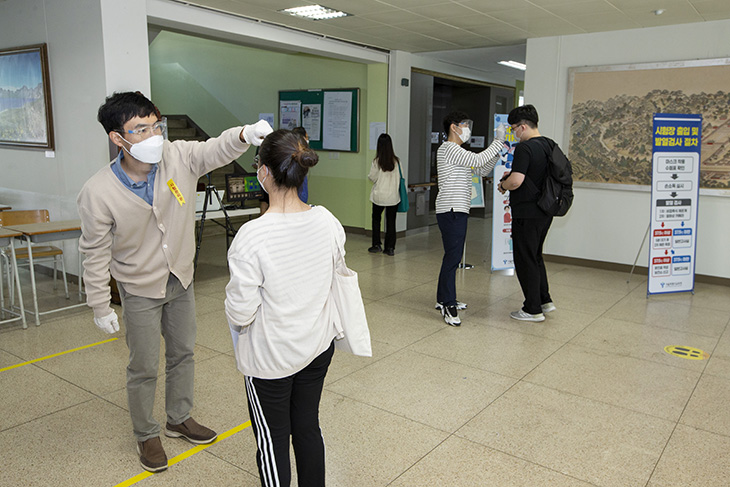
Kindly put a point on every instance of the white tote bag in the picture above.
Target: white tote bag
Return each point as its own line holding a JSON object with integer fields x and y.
{"x": 350, "y": 320}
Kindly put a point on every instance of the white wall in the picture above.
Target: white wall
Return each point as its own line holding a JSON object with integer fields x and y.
{"x": 608, "y": 225}
{"x": 94, "y": 48}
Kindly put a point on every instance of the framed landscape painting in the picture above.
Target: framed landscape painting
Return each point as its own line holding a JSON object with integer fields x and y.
{"x": 610, "y": 122}
{"x": 25, "y": 98}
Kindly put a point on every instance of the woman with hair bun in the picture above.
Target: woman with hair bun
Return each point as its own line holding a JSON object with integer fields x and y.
{"x": 282, "y": 266}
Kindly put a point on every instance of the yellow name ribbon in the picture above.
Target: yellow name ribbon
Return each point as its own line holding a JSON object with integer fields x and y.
{"x": 175, "y": 191}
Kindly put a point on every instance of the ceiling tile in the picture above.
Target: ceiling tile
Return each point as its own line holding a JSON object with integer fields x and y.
{"x": 593, "y": 7}
{"x": 442, "y": 10}
{"x": 677, "y": 15}
{"x": 268, "y": 4}
{"x": 549, "y": 4}
{"x": 350, "y": 23}
{"x": 712, "y": 7}
{"x": 489, "y": 6}
{"x": 648, "y": 5}
{"x": 608, "y": 21}
{"x": 552, "y": 27}
{"x": 393, "y": 17}
{"x": 497, "y": 29}
{"x": 474, "y": 23}
{"x": 409, "y": 3}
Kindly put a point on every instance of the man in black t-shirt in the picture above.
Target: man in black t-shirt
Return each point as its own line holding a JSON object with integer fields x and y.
{"x": 530, "y": 224}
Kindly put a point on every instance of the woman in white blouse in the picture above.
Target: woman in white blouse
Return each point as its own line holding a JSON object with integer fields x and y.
{"x": 385, "y": 195}
{"x": 277, "y": 306}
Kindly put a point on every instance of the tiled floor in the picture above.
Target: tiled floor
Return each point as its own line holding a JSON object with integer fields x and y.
{"x": 586, "y": 398}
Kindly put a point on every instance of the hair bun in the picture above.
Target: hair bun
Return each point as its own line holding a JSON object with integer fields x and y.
{"x": 305, "y": 157}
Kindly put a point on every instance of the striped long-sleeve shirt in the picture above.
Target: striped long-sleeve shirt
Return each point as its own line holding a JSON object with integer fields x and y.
{"x": 454, "y": 165}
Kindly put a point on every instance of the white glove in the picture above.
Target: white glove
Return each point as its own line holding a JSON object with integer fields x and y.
{"x": 254, "y": 134}
{"x": 109, "y": 323}
{"x": 501, "y": 132}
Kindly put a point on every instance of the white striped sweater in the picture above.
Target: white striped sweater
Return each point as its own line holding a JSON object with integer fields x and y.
{"x": 281, "y": 267}
{"x": 454, "y": 165}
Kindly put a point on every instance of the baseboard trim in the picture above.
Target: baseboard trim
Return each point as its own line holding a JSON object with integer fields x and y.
{"x": 638, "y": 270}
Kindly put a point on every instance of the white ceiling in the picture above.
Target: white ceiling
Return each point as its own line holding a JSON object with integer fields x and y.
{"x": 442, "y": 25}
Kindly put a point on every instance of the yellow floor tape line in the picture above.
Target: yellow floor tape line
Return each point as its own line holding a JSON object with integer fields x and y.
{"x": 186, "y": 454}
{"x": 57, "y": 354}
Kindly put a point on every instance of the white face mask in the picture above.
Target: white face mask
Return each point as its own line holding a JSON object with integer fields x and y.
{"x": 261, "y": 182}
{"x": 148, "y": 151}
{"x": 465, "y": 134}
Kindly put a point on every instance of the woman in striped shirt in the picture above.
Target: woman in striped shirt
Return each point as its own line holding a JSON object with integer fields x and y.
{"x": 454, "y": 166}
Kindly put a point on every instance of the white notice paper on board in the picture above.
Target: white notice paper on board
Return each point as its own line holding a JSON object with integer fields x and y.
{"x": 289, "y": 114}
{"x": 376, "y": 128}
{"x": 337, "y": 120}
{"x": 312, "y": 120}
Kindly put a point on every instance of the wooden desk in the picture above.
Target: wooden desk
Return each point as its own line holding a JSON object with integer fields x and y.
{"x": 48, "y": 232}
{"x": 6, "y": 240}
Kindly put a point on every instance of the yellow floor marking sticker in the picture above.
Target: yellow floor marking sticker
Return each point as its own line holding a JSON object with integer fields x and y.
{"x": 186, "y": 454}
{"x": 687, "y": 352}
{"x": 57, "y": 354}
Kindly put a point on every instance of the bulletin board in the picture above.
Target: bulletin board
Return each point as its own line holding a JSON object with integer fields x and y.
{"x": 331, "y": 117}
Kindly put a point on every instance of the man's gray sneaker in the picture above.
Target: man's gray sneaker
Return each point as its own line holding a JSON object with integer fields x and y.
{"x": 523, "y": 316}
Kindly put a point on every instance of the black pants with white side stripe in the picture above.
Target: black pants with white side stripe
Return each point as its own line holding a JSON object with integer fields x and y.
{"x": 284, "y": 408}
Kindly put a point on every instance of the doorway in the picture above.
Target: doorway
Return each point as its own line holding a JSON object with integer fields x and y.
{"x": 432, "y": 98}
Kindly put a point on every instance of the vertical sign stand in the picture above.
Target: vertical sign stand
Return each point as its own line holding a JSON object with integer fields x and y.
{"x": 674, "y": 200}
{"x": 502, "y": 258}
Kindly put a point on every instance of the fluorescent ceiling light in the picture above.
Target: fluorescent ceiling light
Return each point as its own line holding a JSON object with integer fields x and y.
{"x": 514, "y": 64}
{"x": 315, "y": 12}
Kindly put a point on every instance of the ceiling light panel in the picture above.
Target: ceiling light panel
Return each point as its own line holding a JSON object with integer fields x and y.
{"x": 315, "y": 12}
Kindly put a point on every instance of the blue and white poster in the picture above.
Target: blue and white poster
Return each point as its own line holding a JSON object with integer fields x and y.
{"x": 477, "y": 190}
{"x": 674, "y": 198}
{"x": 502, "y": 258}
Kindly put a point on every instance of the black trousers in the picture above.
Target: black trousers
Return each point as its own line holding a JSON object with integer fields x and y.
{"x": 528, "y": 237}
{"x": 284, "y": 408}
{"x": 390, "y": 213}
{"x": 453, "y": 235}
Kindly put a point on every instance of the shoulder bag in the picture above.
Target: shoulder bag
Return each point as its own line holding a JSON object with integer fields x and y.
{"x": 350, "y": 320}
{"x": 403, "y": 205}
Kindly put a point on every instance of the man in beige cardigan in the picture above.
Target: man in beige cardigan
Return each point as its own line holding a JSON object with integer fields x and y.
{"x": 137, "y": 222}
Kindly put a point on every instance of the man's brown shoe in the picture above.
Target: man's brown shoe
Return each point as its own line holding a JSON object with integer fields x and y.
{"x": 152, "y": 455}
{"x": 191, "y": 431}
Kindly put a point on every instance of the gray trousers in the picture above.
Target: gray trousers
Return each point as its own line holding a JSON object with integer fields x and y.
{"x": 146, "y": 319}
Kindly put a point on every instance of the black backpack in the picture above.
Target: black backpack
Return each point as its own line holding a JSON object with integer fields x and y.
{"x": 557, "y": 194}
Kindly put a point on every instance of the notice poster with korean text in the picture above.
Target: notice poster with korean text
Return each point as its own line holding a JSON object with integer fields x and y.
{"x": 337, "y": 120}
{"x": 674, "y": 199}
{"x": 289, "y": 114}
{"x": 501, "y": 213}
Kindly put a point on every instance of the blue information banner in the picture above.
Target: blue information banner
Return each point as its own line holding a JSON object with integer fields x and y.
{"x": 502, "y": 258}
{"x": 674, "y": 199}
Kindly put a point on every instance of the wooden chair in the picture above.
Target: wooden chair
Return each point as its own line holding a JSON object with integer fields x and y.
{"x": 41, "y": 253}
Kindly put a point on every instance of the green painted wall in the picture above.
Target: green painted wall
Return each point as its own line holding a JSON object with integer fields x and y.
{"x": 220, "y": 85}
